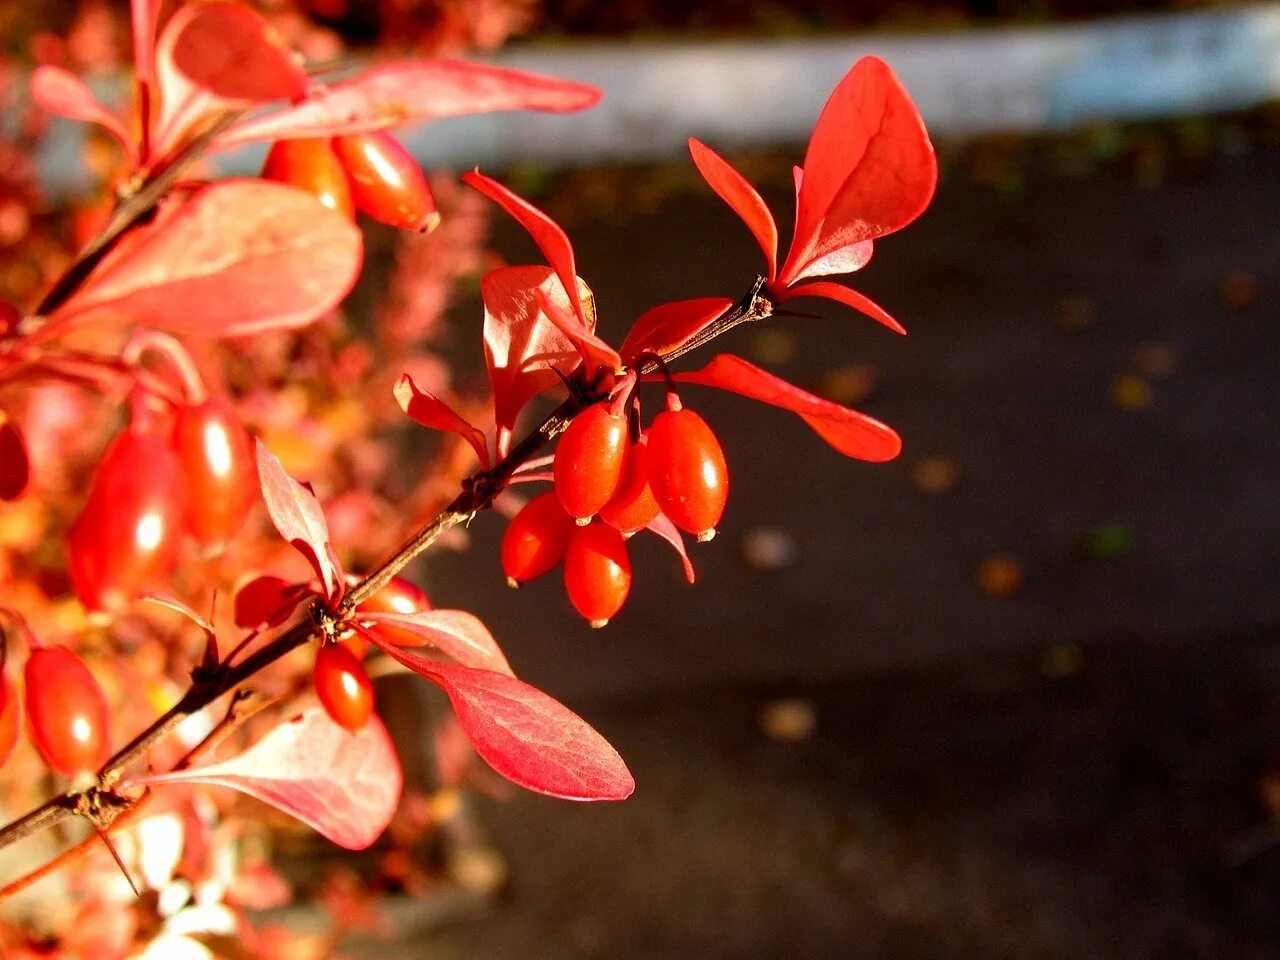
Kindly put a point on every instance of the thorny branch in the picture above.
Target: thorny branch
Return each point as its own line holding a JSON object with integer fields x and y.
{"x": 477, "y": 494}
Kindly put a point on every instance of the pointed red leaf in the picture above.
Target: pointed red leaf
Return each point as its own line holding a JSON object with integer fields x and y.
{"x": 595, "y": 353}
{"x": 663, "y": 328}
{"x": 15, "y": 467}
{"x": 869, "y": 169}
{"x": 297, "y": 514}
{"x": 61, "y": 92}
{"x": 733, "y": 188}
{"x": 217, "y": 56}
{"x": 850, "y": 298}
{"x": 267, "y": 601}
{"x": 529, "y": 738}
{"x": 455, "y": 633}
{"x": 853, "y": 434}
{"x": 343, "y": 785}
{"x": 414, "y": 90}
{"x": 240, "y": 256}
{"x": 547, "y": 234}
{"x": 144, "y": 14}
{"x": 668, "y": 531}
{"x": 434, "y": 414}
{"x": 525, "y": 352}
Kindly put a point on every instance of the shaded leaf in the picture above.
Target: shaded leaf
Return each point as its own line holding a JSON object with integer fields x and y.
{"x": 525, "y": 352}
{"x": 850, "y": 298}
{"x": 547, "y": 234}
{"x": 434, "y": 414}
{"x": 414, "y": 90}
{"x": 15, "y": 466}
{"x": 663, "y": 328}
{"x": 343, "y": 785}
{"x": 869, "y": 169}
{"x": 459, "y": 635}
{"x": 297, "y": 514}
{"x": 733, "y": 188}
{"x": 241, "y": 256}
{"x": 267, "y": 601}
{"x": 663, "y": 527}
{"x": 61, "y": 92}
{"x": 525, "y": 735}
{"x": 218, "y": 56}
{"x": 853, "y": 434}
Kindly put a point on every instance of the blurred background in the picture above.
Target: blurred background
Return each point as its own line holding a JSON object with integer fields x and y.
{"x": 1012, "y": 695}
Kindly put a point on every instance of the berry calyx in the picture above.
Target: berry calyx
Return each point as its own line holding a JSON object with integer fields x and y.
{"x": 536, "y": 539}
{"x": 312, "y": 165}
{"x": 597, "y": 572}
{"x": 342, "y": 685}
{"x": 128, "y": 532}
{"x": 632, "y": 506}
{"x": 386, "y": 182}
{"x": 589, "y": 460}
{"x": 66, "y": 711}
{"x": 687, "y": 471}
{"x": 217, "y": 460}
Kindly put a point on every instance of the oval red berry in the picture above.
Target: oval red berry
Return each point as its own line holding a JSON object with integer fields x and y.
{"x": 597, "y": 572}
{"x": 66, "y": 711}
{"x": 589, "y": 460}
{"x": 342, "y": 685}
{"x": 687, "y": 471}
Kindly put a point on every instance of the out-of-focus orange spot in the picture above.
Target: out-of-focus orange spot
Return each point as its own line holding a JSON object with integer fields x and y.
{"x": 1074, "y": 313}
{"x": 1156, "y": 360}
{"x": 791, "y": 720}
{"x": 1000, "y": 575}
{"x": 935, "y": 474}
{"x": 1238, "y": 290}
{"x": 1131, "y": 392}
{"x": 848, "y": 385}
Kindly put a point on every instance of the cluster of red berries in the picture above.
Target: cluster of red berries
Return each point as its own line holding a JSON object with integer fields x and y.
{"x": 370, "y": 172}
{"x": 158, "y": 480}
{"x": 66, "y": 710}
{"x": 612, "y": 480}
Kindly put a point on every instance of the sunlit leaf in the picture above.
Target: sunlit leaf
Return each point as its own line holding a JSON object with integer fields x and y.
{"x": 297, "y": 514}
{"x": 853, "y": 434}
{"x": 414, "y": 90}
{"x": 267, "y": 601}
{"x": 459, "y": 635}
{"x": 61, "y": 92}
{"x": 529, "y": 738}
{"x": 733, "y": 188}
{"x": 434, "y": 414}
{"x": 343, "y": 785}
{"x": 667, "y": 326}
{"x": 668, "y": 531}
{"x": 850, "y": 298}
{"x": 595, "y": 353}
{"x": 240, "y": 256}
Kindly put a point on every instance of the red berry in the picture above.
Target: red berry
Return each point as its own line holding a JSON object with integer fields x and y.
{"x": 386, "y": 182}
{"x": 589, "y": 460}
{"x": 398, "y": 596}
{"x": 597, "y": 572}
{"x": 311, "y": 165}
{"x": 687, "y": 472}
{"x": 342, "y": 686}
{"x": 536, "y": 539}
{"x": 10, "y": 708}
{"x": 127, "y": 535}
{"x": 66, "y": 711}
{"x": 632, "y": 506}
{"x": 217, "y": 458}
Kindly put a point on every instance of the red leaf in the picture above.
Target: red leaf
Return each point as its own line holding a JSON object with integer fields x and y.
{"x": 15, "y": 467}
{"x": 218, "y": 56}
{"x": 663, "y": 527}
{"x": 662, "y": 328}
{"x": 529, "y": 738}
{"x": 547, "y": 234}
{"x": 455, "y": 633}
{"x": 179, "y": 607}
{"x": 343, "y": 785}
{"x": 414, "y": 90}
{"x": 267, "y": 601}
{"x": 434, "y": 414}
{"x": 869, "y": 169}
{"x": 296, "y": 513}
{"x": 241, "y": 256}
{"x": 61, "y": 92}
{"x": 144, "y": 14}
{"x": 850, "y": 298}
{"x": 853, "y": 434}
{"x": 595, "y": 353}
{"x": 733, "y": 188}
{"x": 525, "y": 352}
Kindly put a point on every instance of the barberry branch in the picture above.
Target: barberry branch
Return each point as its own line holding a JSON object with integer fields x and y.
{"x": 478, "y": 494}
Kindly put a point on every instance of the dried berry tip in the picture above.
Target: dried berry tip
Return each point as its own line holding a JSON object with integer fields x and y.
{"x": 706, "y": 536}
